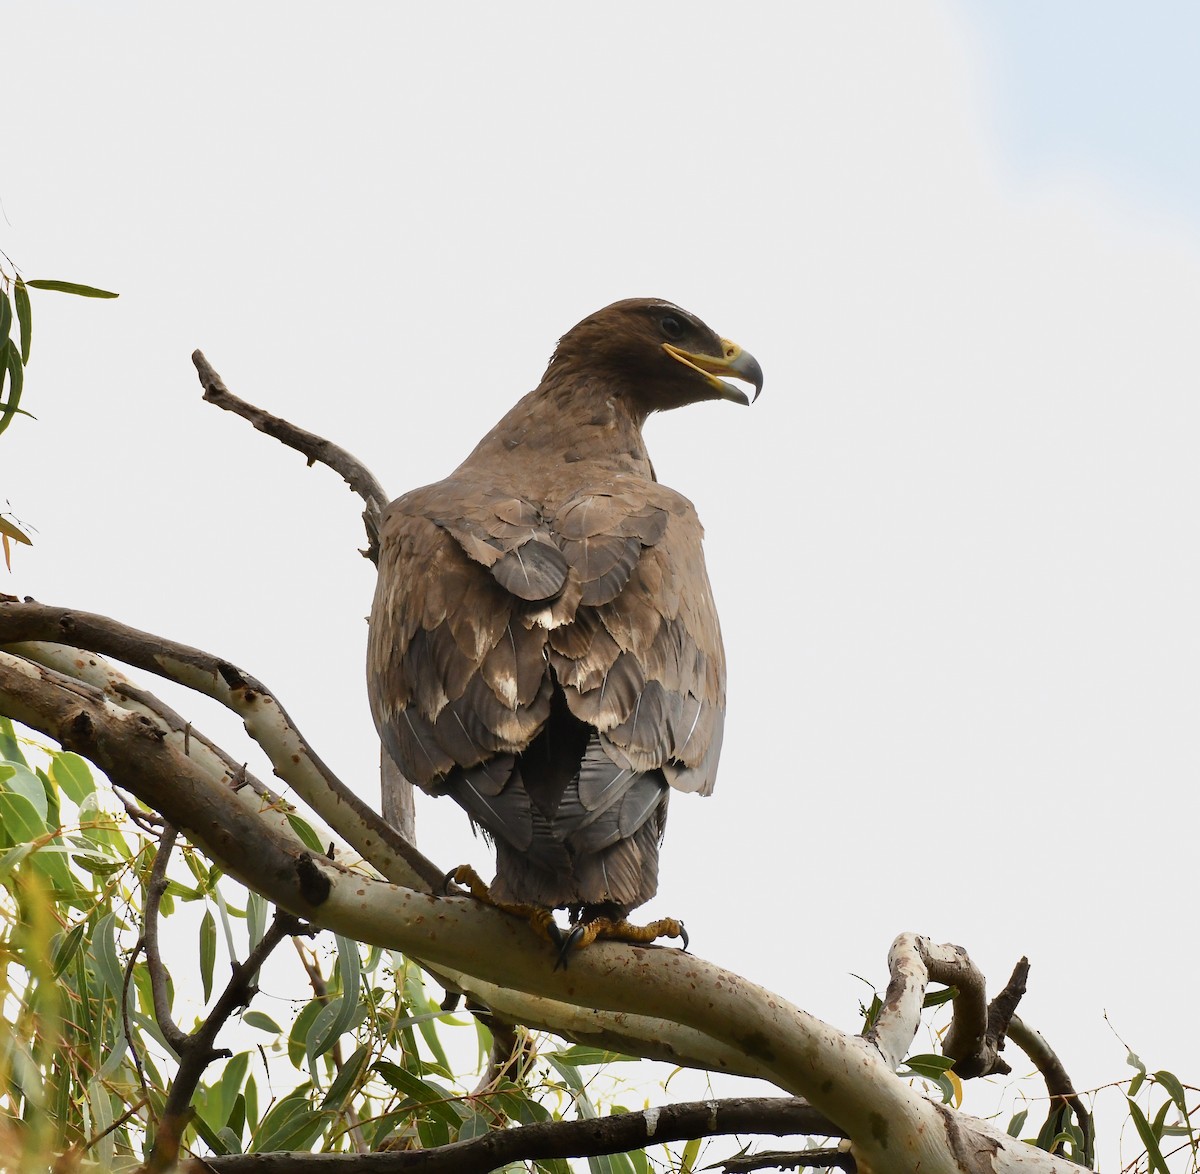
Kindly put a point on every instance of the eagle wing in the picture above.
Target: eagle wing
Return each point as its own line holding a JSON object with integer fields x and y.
{"x": 554, "y": 669}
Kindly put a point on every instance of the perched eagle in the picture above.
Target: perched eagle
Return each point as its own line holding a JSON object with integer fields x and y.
{"x": 543, "y": 643}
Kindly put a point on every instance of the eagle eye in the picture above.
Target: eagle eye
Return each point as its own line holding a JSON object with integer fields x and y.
{"x": 672, "y": 327}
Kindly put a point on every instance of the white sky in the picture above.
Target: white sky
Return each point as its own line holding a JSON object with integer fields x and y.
{"x": 954, "y": 544}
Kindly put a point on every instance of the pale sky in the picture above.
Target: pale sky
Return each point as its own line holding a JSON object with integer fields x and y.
{"x": 954, "y": 545}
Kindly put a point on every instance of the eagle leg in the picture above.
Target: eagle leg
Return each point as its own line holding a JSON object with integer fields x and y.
{"x": 619, "y": 930}
{"x": 540, "y": 918}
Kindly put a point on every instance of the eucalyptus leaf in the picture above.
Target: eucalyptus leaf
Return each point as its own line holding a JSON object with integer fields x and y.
{"x": 72, "y": 287}
{"x": 24, "y": 317}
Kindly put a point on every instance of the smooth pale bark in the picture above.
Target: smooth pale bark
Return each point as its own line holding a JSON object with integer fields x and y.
{"x": 847, "y": 1078}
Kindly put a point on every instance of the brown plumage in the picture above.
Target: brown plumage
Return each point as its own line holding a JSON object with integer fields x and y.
{"x": 544, "y": 646}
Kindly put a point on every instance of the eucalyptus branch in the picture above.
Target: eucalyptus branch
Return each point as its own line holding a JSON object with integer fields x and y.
{"x": 977, "y": 1030}
{"x": 1059, "y": 1085}
{"x": 775, "y": 1116}
{"x": 264, "y": 717}
{"x": 316, "y": 449}
{"x": 652, "y": 1037}
{"x": 843, "y": 1077}
{"x": 833, "y": 1158}
{"x": 197, "y": 1050}
{"x": 118, "y": 689}
{"x": 177, "y": 1038}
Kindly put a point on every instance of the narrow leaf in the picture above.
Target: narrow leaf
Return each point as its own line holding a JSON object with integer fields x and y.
{"x": 10, "y": 748}
{"x": 24, "y": 317}
{"x": 435, "y": 1098}
{"x": 1157, "y": 1162}
{"x": 581, "y": 1054}
{"x": 67, "y": 948}
{"x": 72, "y": 287}
{"x": 208, "y": 951}
{"x": 16, "y": 380}
{"x": 343, "y": 1087}
{"x": 6, "y": 317}
{"x": 104, "y": 952}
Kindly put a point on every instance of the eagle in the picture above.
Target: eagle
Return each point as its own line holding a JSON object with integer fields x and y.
{"x": 543, "y": 643}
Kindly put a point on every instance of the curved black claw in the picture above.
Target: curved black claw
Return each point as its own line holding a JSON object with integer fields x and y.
{"x": 683, "y": 934}
{"x": 448, "y": 881}
{"x": 567, "y": 944}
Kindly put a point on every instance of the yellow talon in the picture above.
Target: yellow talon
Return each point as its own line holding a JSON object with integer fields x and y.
{"x": 540, "y": 918}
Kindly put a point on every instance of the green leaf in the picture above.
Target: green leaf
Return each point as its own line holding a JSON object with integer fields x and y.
{"x": 1174, "y": 1086}
{"x": 691, "y": 1152}
{"x": 16, "y": 381}
{"x": 230, "y": 1085}
{"x": 72, "y": 775}
{"x": 67, "y": 947}
{"x": 208, "y": 951}
{"x": 24, "y": 317}
{"x": 236, "y": 1122}
{"x": 72, "y": 287}
{"x": 581, "y": 1055}
{"x": 10, "y": 748}
{"x": 937, "y": 998}
{"x": 256, "y": 918}
{"x": 332, "y": 1025}
{"x": 475, "y": 1124}
{"x": 418, "y": 999}
{"x": 928, "y": 1065}
{"x": 334, "y": 1019}
{"x": 209, "y": 1135}
{"x": 292, "y": 1124}
{"x": 13, "y": 857}
{"x": 343, "y": 1087}
{"x": 6, "y": 317}
{"x": 22, "y": 781}
{"x": 104, "y": 952}
{"x": 1017, "y": 1123}
{"x": 305, "y": 832}
{"x": 433, "y": 1097}
{"x": 262, "y": 1021}
{"x": 300, "y": 1031}
{"x": 1157, "y": 1162}
{"x": 19, "y": 822}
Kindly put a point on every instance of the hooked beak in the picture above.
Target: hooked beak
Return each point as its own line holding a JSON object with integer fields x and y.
{"x": 732, "y": 361}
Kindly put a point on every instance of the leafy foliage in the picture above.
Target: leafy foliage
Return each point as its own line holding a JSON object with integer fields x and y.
{"x": 363, "y": 1061}
{"x": 15, "y": 310}
{"x": 14, "y": 350}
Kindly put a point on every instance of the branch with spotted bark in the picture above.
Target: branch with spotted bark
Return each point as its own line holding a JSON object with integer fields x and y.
{"x": 707, "y": 1014}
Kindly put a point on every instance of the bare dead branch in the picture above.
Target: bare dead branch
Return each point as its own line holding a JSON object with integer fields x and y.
{"x": 196, "y": 1051}
{"x": 316, "y": 449}
{"x": 154, "y": 964}
{"x": 1058, "y": 1084}
{"x": 774, "y": 1116}
{"x": 976, "y": 1033}
{"x": 819, "y": 1159}
{"x": 264, "y": 717}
